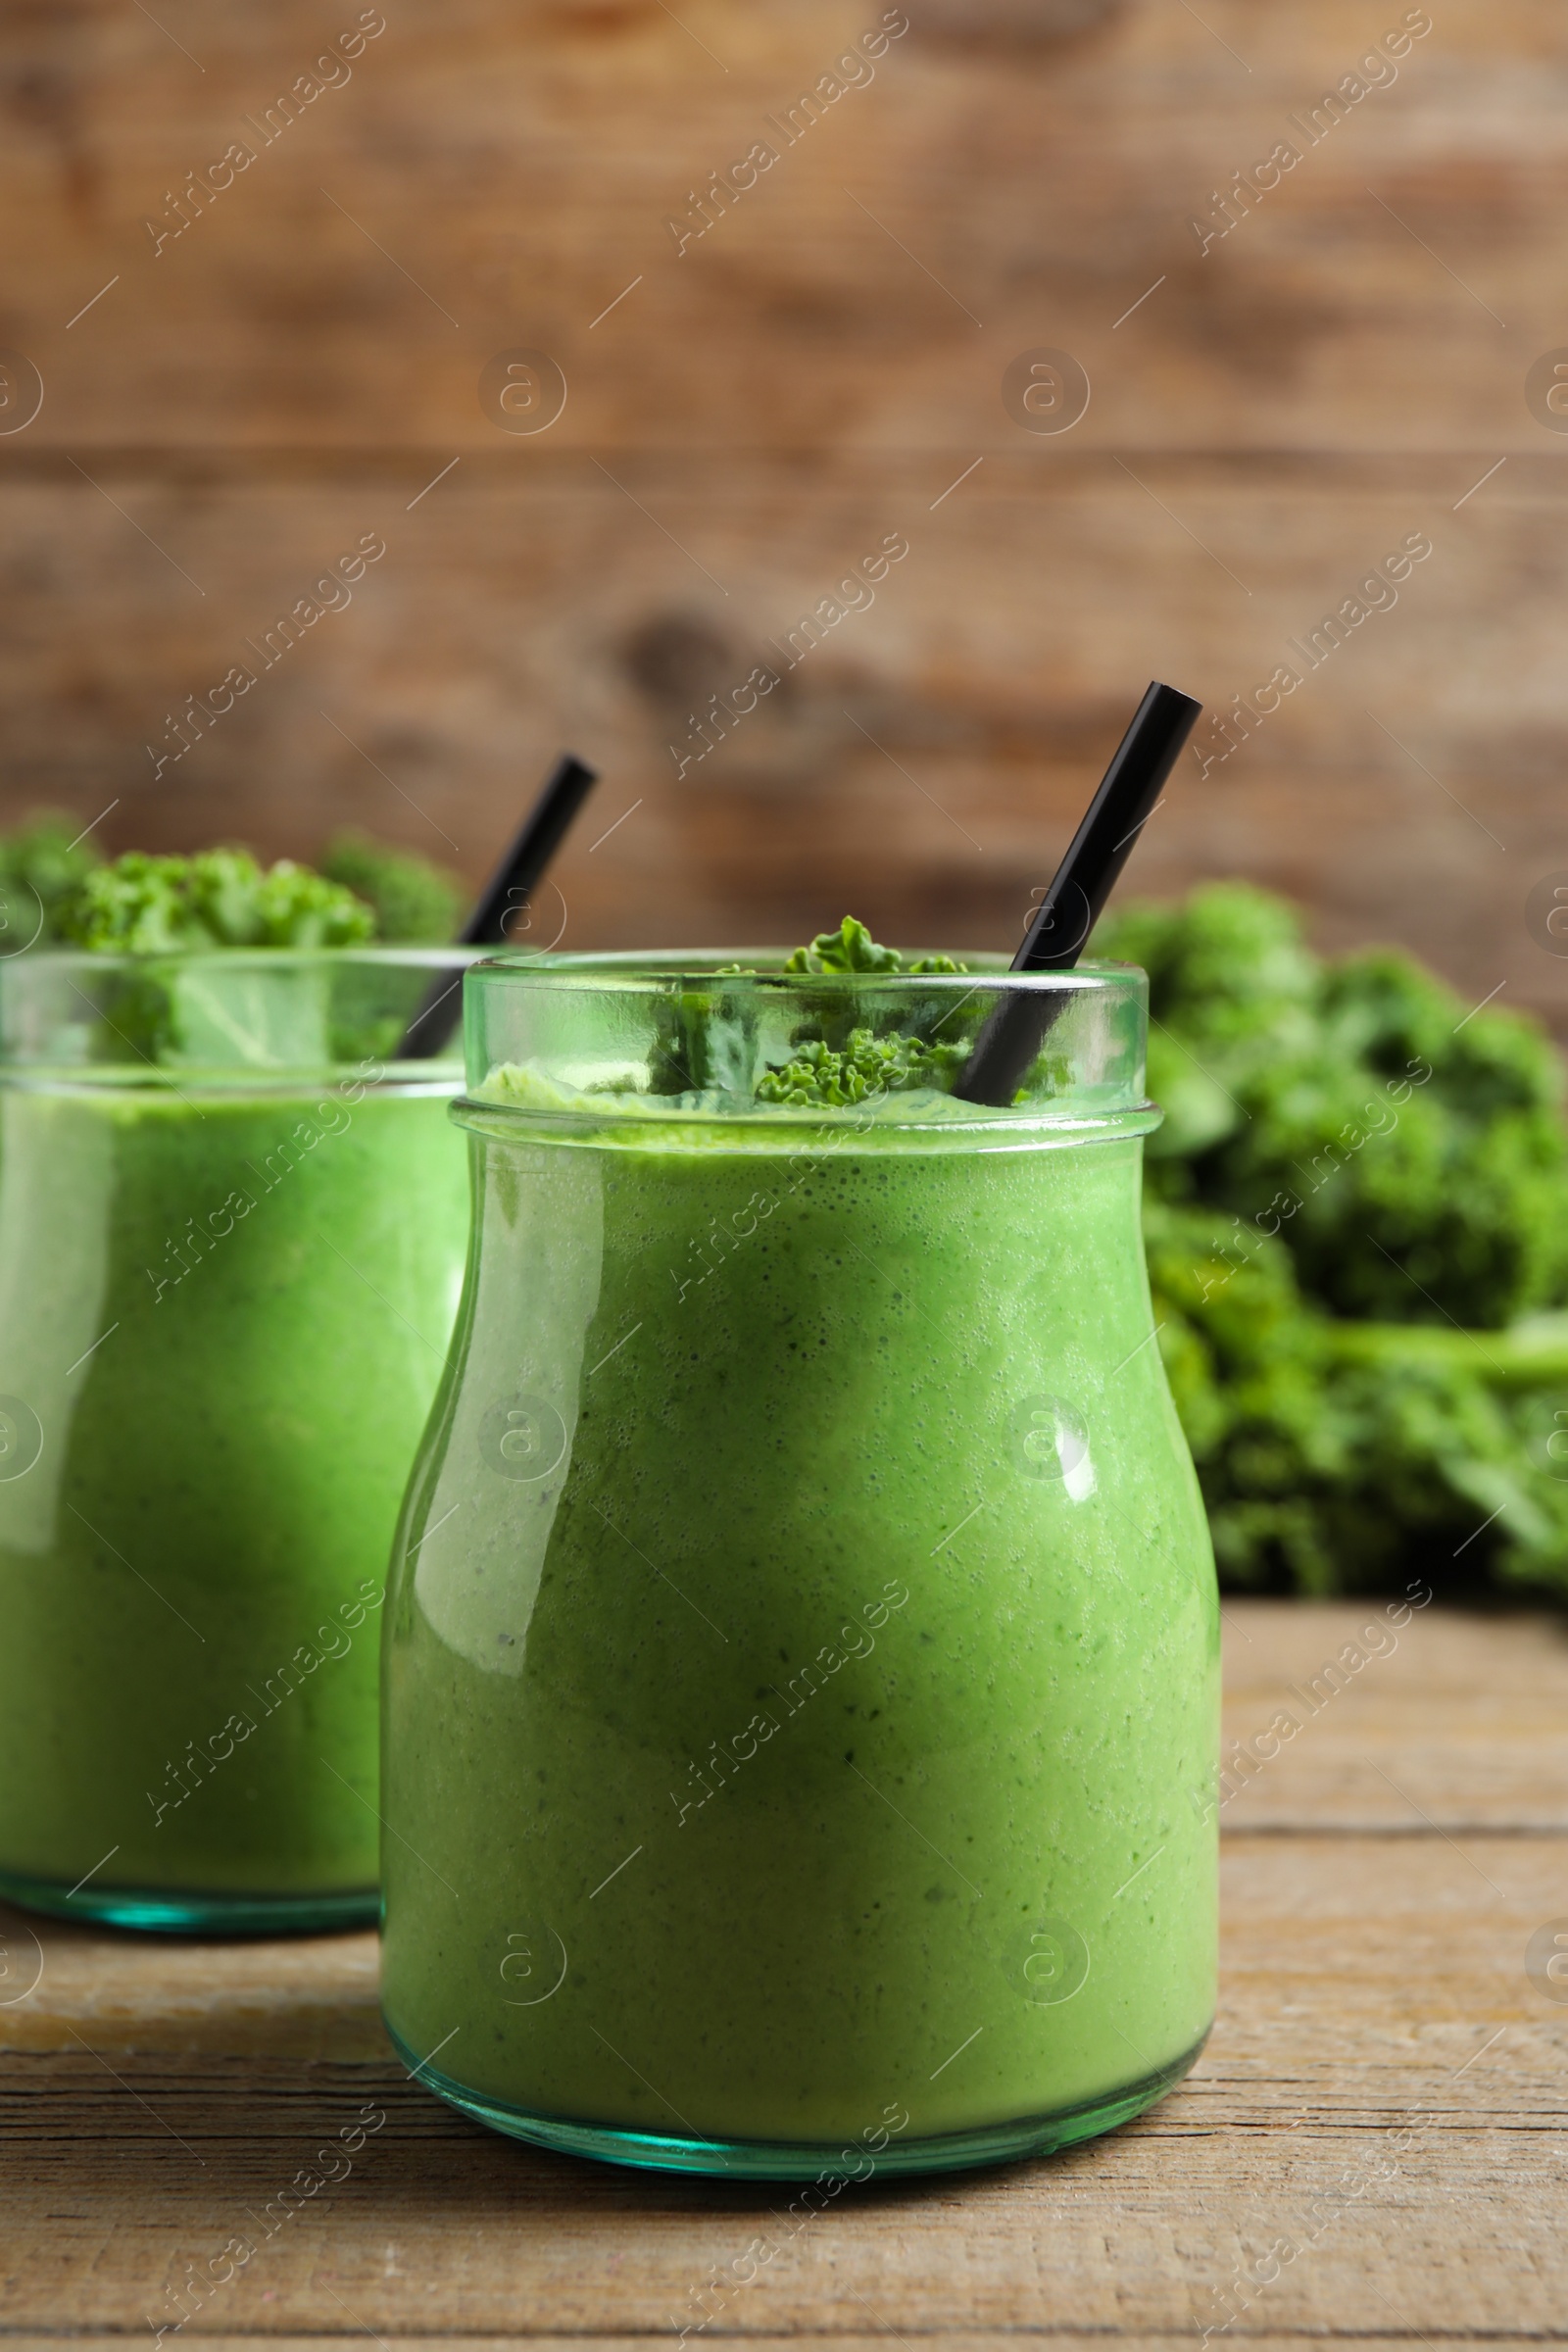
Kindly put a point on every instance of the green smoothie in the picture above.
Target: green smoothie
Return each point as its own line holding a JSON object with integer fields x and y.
{"x": 800, "y": 1658}
{"x": 224, "y": 1310}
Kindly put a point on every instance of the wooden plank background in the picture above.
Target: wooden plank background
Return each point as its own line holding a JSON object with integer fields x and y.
{"x": 1384, "y": 2092}
{"x": 226, "y": 414}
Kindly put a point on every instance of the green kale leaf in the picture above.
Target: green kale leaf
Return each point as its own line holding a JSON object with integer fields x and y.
{"x": 416, "y": 903}
{"x": 1413, "y": 1155}
{"x": 861, "y": 1065}
{"x": 864, "y": 1069}
{"x": 851, "y": 948}
{"x": 43, "y": 864}
{"x": 1360, "y": 1189}
{"x": 1337, "y": 1455}
{"x": 151, "y": 905}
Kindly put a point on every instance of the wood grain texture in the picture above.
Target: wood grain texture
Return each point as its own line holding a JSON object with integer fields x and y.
{"x": 817, "y": 369}
{"x": 1436, "y": 1722}
{"x": 1379, "y": 2113}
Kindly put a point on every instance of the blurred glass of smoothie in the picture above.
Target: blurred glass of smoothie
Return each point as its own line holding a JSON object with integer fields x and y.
{"x": 231, "y": 1235}
{"x": 801, "y": 1652}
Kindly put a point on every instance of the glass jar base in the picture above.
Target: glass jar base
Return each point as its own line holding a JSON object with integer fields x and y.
{"x": 177, "y": 1913}
{"x": 810, "y": 2160}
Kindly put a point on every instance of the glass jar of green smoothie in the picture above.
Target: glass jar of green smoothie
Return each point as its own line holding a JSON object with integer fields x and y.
{"x": 231, "y": 1235}
{"x": 799, "y": 1661}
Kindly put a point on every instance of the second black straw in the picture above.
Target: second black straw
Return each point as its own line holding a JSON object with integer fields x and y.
{"x": 514, "y": 881}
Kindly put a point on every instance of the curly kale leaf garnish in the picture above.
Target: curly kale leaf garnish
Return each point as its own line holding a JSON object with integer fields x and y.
{"x": 148, "y": 905}
{"x": 840, "y": 1071}
{"x": 867, "y": 1068}
{"x": 851, "y": 948}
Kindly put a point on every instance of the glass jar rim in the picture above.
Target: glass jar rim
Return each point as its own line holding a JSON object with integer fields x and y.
{"x": 64, "y": 959}
{"x": 655, "y": 970}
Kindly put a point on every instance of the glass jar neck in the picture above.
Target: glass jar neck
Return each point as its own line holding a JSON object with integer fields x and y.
{"x": 610, "y": 1043}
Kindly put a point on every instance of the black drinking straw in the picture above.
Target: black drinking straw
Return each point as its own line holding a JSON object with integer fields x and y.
{"x": 514, "y": 879}
{"x": 1085, "y": 880}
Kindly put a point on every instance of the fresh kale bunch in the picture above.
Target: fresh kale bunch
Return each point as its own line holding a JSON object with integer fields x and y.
{"x": 1411, "y": 1154}
{"x": 1352, "y": 1168}
{"x": 415, "y": 903}
{"x": 150, "y": 906}
{"x": 1339, "y": 1456}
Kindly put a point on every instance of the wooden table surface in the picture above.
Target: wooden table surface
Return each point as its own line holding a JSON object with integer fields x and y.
{"x": 1371, "y": 2146}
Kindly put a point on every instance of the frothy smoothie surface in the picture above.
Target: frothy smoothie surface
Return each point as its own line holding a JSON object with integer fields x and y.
{"x": 801, "y": 1669}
